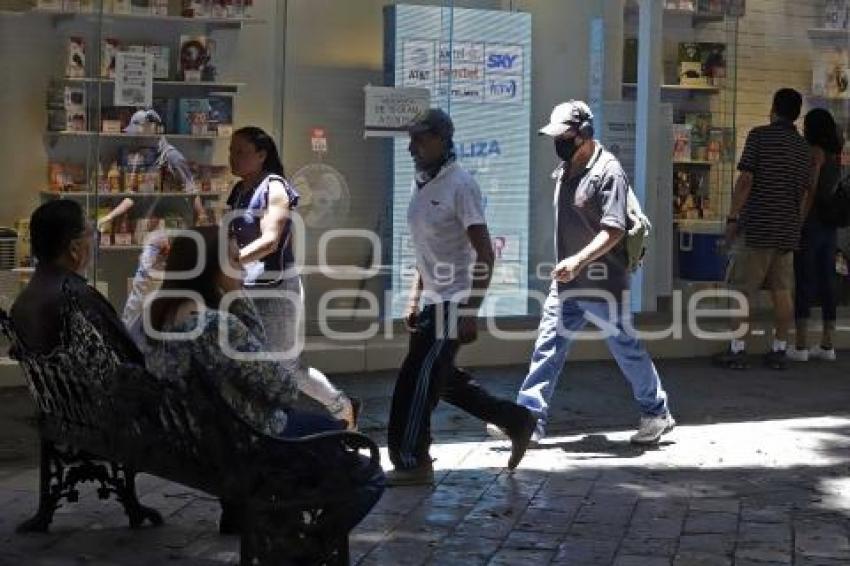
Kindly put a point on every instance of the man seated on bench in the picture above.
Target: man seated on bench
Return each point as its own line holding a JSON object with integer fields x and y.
{"x": 62, "y": 244}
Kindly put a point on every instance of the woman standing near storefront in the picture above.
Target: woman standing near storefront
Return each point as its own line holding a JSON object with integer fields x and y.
{"x": 814, "y": 262}
{"x": 263, "y": 199}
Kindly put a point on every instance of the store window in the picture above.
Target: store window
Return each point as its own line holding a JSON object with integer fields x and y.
{"x": 301, "y": 70}
{"x": 127, "y": 108}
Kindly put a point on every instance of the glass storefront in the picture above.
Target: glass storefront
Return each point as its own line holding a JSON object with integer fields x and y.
{"x": 675, "y": 84}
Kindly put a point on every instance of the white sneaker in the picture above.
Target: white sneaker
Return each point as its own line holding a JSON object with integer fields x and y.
{"x": 796, "y": 355}
{"x": 651, "y": 429}
{"x": 819, "y": 353}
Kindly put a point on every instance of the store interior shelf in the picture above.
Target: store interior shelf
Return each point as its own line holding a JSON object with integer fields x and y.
{"x": 829, "y": 33}
{"x": 112, "y": 248}
{"x": 63, "y": 134}
{"x": 181, "y": 84}
{"x": 89, "y": 194}
{"x": 107, "y": 16}
{"x": 709, "y": 89}
{"x": 704, "y": 223}
{"x": 696, "y": 162}
{"x": 697, "y": 17}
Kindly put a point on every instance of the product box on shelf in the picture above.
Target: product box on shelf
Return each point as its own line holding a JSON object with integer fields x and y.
{"x": 65, "y": 177}
{"x": 700, "y": 123}
{"x": 195, "y": 9}
{"x": 196, "y": 58}
{"x": 702, "y": 64}
{"x": 75, "y": 65}
{"x": 681, "y": 142}
{"x": 690, "y": 65}
{"x": 75, "y": 109}
{"x": 109, "y": 49}
{"x": 830, "y": 75}
{"x": 142, "y": 7}
{"x": 836, "y": 14}
{"x": 193, "y": 116}
{"x": 166, "y": 108}
{"x": 159, "y": 7}
{"x": 122, "y": 7}
{"x": 711, "y": 7}
{"x": 683, "y": 5}
{"x": 161, "y": 61}
{"x": 221, "y": 115}
{"x": 691, "y": 199}
{"x": 715, "y": 145}
{"x": 52, "y": 5}
{"x": 123, "y": 231}
{"x": 22, "y": 227}
{"x": 115, "y": 115}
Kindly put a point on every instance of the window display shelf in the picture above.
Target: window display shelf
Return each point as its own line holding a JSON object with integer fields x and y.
{"x": 67, "y": 134}
{"x": 89, "y": 194}
{"x": 106, "y": 16}
{"x": 182, "y": 84}
{"x": 697, "y": 17}
{"x": 702, "y": 222}
{"x": 830, "y": 34}
{"x": 707, "y": 89}
{"x": 130, "y": 248}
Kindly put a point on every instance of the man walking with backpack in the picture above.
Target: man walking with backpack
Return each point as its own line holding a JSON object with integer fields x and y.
{"x": 592, "y": 218}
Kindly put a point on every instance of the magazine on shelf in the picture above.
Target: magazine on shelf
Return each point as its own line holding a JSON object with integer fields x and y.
{"x": 681, "y": 142}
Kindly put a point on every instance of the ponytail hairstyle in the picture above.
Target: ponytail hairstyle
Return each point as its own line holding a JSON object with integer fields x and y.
{"x": 263, "y": 142}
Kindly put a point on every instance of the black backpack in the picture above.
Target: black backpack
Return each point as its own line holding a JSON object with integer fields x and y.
{"x": 834, "y": 208}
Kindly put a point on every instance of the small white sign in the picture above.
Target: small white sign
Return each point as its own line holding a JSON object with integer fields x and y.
{"x": 319, "y": 140}
{"x": 133, "y": 79}
{"x": 389, "y": 110}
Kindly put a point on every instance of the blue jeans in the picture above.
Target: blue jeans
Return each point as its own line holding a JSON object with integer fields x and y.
{"x": 562, "y": 319}
{"x": 304, "y": 423}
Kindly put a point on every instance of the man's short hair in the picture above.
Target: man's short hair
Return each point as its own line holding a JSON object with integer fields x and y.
{"x": 52, "y": 227}
{"x": 787, "y": 104}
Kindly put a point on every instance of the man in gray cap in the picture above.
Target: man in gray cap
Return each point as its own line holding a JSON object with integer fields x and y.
{"x": 591, "y": 275}
{"x": 454, "y": 262}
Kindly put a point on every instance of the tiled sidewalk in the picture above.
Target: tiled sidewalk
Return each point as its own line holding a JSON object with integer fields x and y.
{"x": 756, "y": 474}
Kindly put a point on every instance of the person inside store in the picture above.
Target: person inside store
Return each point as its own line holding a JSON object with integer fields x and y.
{"x": 814, "y": 261}
{"x": 62, "y": 242}
{"x": 263, "y": 201}
{"x": 764, "y": 223}
{"x": 227, "y": 343}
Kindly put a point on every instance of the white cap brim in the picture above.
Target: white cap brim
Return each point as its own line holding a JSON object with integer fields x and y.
{"x": 554, "y": 130}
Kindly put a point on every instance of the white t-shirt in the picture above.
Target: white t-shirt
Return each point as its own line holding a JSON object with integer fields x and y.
{"x": 438, "y": 216}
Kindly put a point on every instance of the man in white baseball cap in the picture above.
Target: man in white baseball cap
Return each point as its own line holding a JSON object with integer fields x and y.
{"x": 591, "y": 275}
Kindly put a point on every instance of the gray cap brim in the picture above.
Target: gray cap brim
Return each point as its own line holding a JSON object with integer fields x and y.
{"x": 554, "y": 130}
